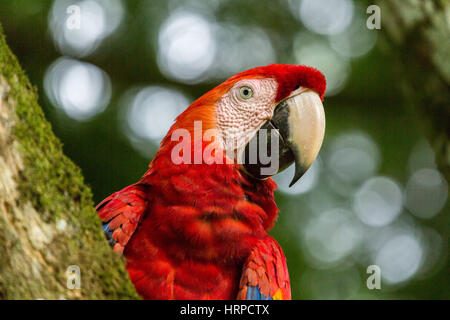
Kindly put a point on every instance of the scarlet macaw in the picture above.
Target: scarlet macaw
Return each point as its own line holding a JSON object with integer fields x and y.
{"x": 198, "y": 229}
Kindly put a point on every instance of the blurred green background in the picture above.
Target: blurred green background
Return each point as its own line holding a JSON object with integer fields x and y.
{"x": 112, "y": 86}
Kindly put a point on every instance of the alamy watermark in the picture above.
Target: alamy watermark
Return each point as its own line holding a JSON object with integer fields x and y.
{"x": 73, "y": 21}
{"x": 73, "y": 275}
{"x": 202, "y": 147}
{"x": 374, "y": 280}
{"x": 374, "y": 20}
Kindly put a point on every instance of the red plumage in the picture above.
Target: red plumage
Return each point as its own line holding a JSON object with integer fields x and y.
{"x": 198, "y": 231}
{"x": 289, "y": 78}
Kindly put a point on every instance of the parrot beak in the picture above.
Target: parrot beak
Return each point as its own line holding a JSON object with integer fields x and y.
{"x": 294, "y": 134}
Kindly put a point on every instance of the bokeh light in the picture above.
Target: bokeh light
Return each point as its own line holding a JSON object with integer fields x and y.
{"x": 80, "y": 89}
{"x": 378, "y": 202}
{"x": 149, "y": 113}
{"x": 322, "y": 198}
{"x": 356, "y": 40}
{"x": 241, "y": 48}
{"x": 352, "y": 158}
{"x": 306, "y": 183}
{"x": 79, "y": 27}
{"x": 435, "y": 251}
{"x": 331, "y": 236}
{"x": 422, "y": 156}
{"x": 426, "y": 193}
{"x": 312, "y": 51}
{"x": 399, "y": 258}
{"x": 210, "y": 49}
{"x": 326, "y": 17}
{"x": 186, "y": 46}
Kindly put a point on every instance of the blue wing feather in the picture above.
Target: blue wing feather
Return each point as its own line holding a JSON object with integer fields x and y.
{"x": 108, "y": 233}
{"x": 253, "y": 293}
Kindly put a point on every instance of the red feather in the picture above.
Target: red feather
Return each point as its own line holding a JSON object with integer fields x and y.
{"x": 289, "y": 78}
{"x": 266, "y": 269}
{"x": 124, "y": 210}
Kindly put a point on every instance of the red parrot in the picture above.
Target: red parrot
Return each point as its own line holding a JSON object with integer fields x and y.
{"x": 195, "y": 226}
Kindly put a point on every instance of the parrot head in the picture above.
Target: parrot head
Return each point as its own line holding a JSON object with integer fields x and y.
{"x": 266, "y": 115}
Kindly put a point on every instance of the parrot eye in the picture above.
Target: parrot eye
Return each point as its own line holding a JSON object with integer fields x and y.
{"x": 246, "y": 92}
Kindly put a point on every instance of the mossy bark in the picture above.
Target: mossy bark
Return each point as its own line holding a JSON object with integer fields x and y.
{"x": 419, "y": 31}
{"x": 47, "y": 219}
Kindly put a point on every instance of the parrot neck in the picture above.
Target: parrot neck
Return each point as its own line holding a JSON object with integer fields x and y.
{"x": 211, "y": 210}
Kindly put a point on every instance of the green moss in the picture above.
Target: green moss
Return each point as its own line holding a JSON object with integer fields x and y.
{"x": 56, "y": 189}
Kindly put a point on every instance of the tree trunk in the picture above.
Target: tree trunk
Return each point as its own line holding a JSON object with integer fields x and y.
{"x": 47, "y": 220}
{"x": 419, "y": 30}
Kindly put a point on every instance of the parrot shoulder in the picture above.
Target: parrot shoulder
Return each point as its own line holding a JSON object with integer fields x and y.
{"x": 265, "y": 275}
{"x": 121, "y": 214}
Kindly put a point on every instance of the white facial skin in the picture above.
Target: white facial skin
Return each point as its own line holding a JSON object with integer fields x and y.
{"x": 239, "y": 115}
